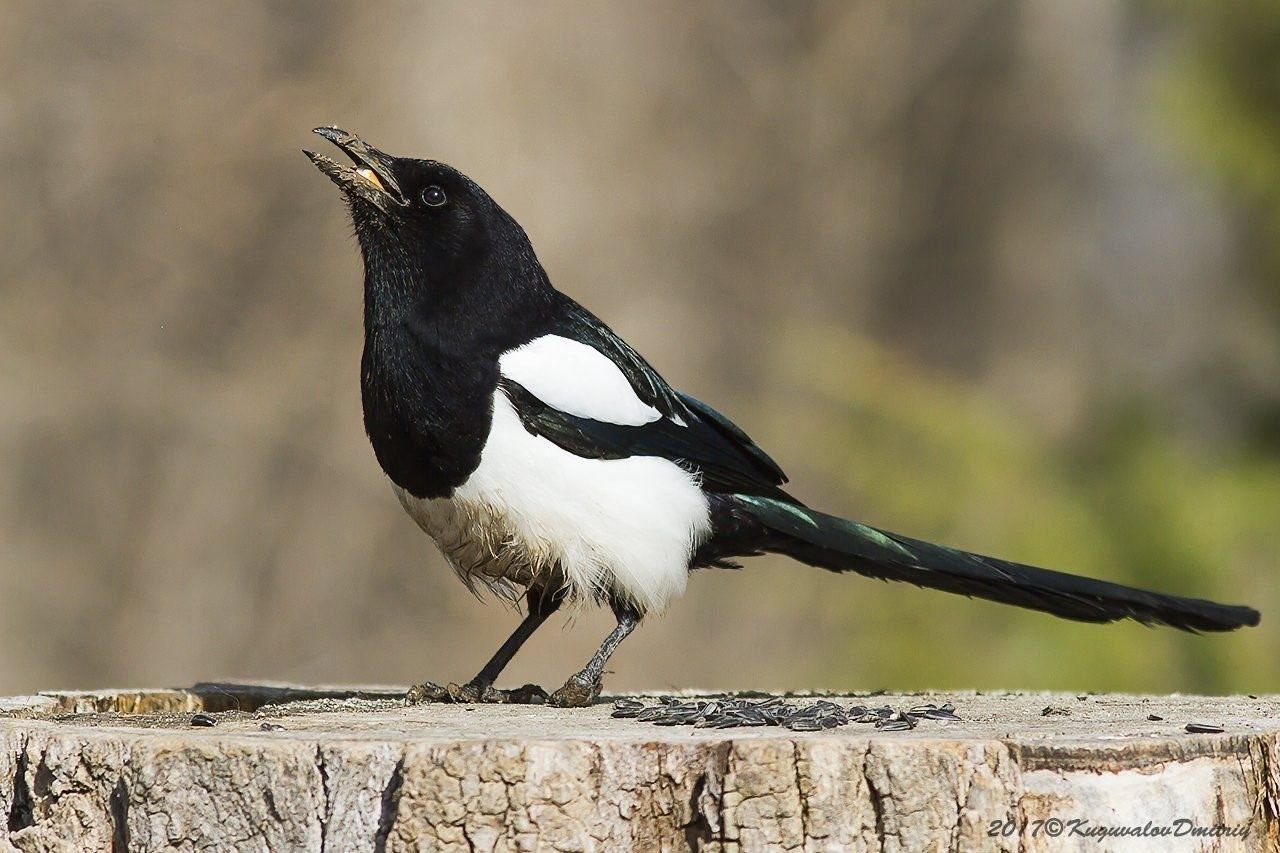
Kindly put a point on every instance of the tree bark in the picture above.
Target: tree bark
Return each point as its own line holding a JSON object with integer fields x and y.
{"x": 305, "y": 769}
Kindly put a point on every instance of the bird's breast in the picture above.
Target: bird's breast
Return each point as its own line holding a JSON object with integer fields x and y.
{"x": 427, "y": 418}
{"x": 602, "y": 527}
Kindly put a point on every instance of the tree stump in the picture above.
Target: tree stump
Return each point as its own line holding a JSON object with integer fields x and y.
{"x": 291, "y": 768}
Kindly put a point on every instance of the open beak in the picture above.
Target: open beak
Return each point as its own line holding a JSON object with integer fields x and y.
{"x": 369, "y": 178}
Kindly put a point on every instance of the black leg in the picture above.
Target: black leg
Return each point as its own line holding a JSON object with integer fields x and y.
{"x": 540, "y": 603}
{"x": 583, "y": 687}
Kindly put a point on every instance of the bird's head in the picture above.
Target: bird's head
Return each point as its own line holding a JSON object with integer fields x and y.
{"x": 420, "y": 212}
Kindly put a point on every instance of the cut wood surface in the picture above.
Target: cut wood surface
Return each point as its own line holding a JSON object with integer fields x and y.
{"x": 292, "y": 768}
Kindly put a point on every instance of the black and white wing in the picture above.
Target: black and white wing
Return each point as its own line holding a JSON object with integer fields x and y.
{"x": 585, "y": 389}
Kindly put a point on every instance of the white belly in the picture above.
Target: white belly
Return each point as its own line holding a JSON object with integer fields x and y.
{"x": 531, "y": 510}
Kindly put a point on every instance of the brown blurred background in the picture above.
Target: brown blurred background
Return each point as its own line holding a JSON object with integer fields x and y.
{"x": 1000, "y": 274}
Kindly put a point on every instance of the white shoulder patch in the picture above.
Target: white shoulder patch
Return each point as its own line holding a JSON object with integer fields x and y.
{"x": 576, "y": 379}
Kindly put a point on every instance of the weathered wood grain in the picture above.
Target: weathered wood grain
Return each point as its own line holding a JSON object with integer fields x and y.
{"x": 360, "y": 771}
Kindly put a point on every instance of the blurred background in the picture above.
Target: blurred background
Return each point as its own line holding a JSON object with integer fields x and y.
{"x": 1000, "y": 274}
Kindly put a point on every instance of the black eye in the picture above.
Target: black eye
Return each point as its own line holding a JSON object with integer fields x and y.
{"x": 433, "y": 196}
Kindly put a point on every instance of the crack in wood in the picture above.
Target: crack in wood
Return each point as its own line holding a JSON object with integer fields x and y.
{"x": 21, "y": 814}
{"x": 390, "y": 807}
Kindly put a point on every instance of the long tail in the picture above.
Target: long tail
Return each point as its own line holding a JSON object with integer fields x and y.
{"x": 768, "y": 524}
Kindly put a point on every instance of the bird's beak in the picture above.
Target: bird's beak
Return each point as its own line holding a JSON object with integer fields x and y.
{"x": 369, "y": 179}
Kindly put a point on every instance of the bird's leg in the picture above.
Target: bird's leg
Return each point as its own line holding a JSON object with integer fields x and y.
{"x": 583, "y": 687}
{"x": 540, "y": 602}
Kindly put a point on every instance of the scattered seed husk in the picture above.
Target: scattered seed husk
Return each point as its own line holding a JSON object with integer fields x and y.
{"x": 734, "y": 712}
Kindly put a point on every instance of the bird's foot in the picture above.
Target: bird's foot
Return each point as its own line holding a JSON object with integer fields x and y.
{"x": 475, "y": 693}
{"x": 529, "y": 694}
{"x": 577, "y": 692}
{"x": 426, "y": 692}
{"x": 487, "y": 694}
{"x": 472, "y": 693}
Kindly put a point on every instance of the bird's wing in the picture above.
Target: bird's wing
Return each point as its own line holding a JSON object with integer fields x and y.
{"x": 583, "y": 388}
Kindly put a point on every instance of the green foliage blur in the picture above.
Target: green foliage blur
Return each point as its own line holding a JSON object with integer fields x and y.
{"x": 1131, "y": 497}
{"x": 1226, "y": 101}
{"x": 1126, "y": 500}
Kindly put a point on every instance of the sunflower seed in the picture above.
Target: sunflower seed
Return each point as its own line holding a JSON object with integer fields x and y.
{"x": 894, "y": 725}
{"x": 804, "y": 725}
{"x": 946, "y": 712}
{"x": 1204, "y": 729}
{"x": 896, "y": 721}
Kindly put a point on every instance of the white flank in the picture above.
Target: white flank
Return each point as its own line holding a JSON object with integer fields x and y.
{"x": 576, "y": 379}
{"x": 622, "y": 526}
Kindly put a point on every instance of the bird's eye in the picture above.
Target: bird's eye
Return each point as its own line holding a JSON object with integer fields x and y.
{"x": 433, "y": 196}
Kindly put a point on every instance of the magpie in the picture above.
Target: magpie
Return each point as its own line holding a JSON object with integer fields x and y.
{"x": 549, "y": 460}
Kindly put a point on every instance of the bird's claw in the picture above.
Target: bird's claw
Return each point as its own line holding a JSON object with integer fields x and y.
{"x": 529, "y": 694}
{"x": 473, "y": 693}
{"x": 427, "y": 691}
{"x": 577, "y": 692}
{"x": 487, "y": 694}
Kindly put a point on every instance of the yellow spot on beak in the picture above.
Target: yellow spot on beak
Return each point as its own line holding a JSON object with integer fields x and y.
{"x": 372, "y": 177}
